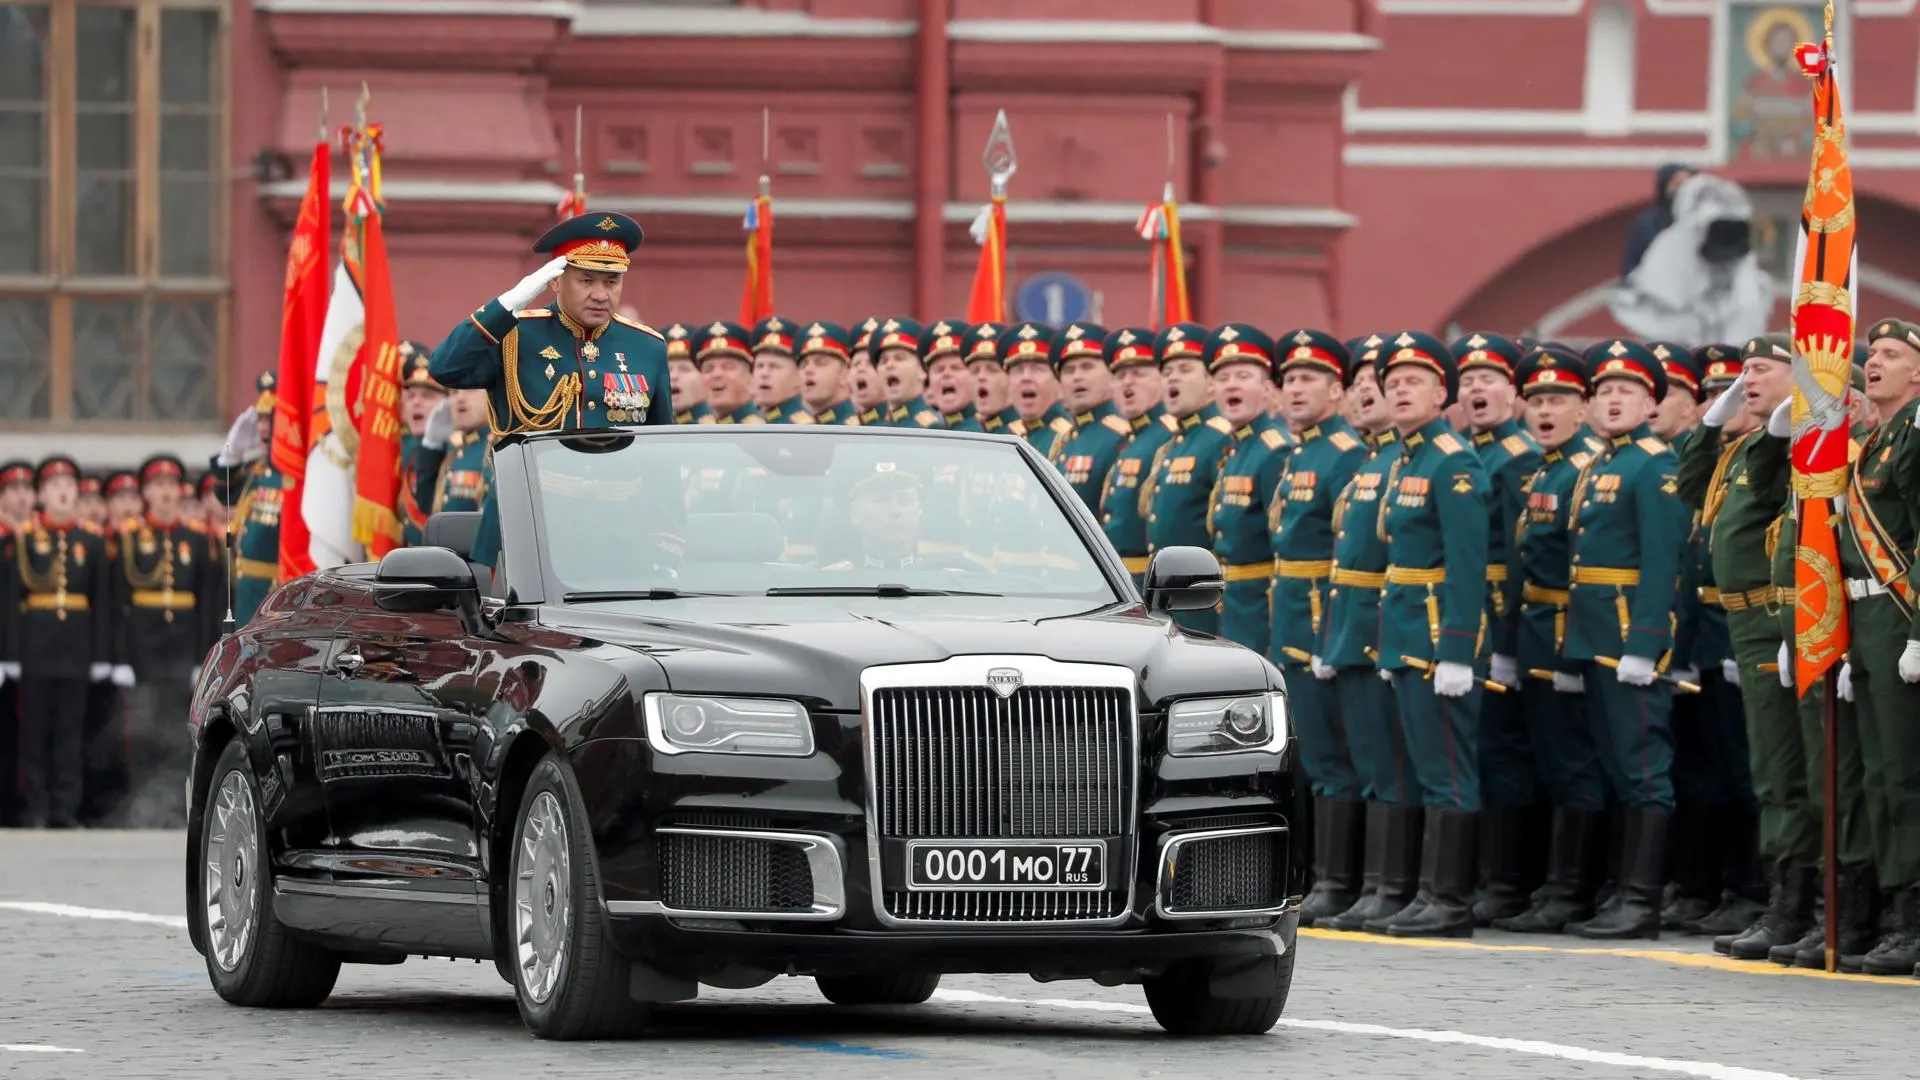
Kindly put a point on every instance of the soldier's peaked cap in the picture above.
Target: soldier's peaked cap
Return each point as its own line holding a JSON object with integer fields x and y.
{"x": 1417, "y": 348}
{"x": 1899, "y": 329}
{"x": 1181, "y": 341}
{"x": 1553, "y": 369}
{"x": 161, "y": 467}
{"x": 825, "y": 337}
{"x": 16, "y": 472}
{"x": 594, "y": 241}
{"x": 1129, "y": 346}
{"x": 1362, "y": 352}
{"x": 1717, "y": 363}
{"x": 1489, "y": 351}
{"x": 948, "y": 337}
{"x": 1027, "y": 342}
{"x": 1777, "y": 347}
{"x": 1619, "y": 358}
{"x": 1682, "y": 371}
{"x": 1079, "y": 339}
{"x": 774, "y": 334}
{"x": 1308, "y": 348}
{"x": 983, "y": 341}
{"x": 1239, "y": 343}
{"x": 722, "y": 338}
{"x": 679, "y": 341}
{"x": 56, "y": 465}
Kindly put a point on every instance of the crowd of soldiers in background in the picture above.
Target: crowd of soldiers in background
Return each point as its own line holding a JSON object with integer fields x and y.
{"x": 1529, "y": 600}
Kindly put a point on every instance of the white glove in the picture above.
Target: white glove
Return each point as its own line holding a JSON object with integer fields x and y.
{"x": 1844, "y": 684}
{"x": 1780, "y": 424}
{"x": 242, "y": 443}
{"x": 1635, "y": 671}
{"x": 1786, "y": 665}
{"x": 531, "y": 285}
{"x": 1688, "y": 674}
{"x": 1909, "y": 663}
{"x": 122, "y": 675}
{"x": 1727, "y": 405}
{"x": 1504, "y": 670}
{"x": 1730, "y": 671}
{"x": 1322, "y": 670}
{"x": 99, "y": 672}
{"x": 11, "y": 670}
{"x": 439, "y": 429}
{"x": 1452, "y": 680}
{"x": 1569, "y": 684}
{"x": 1385, "y": 676}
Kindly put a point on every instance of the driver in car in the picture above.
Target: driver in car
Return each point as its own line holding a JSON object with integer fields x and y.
{"x": 885, "y": 509}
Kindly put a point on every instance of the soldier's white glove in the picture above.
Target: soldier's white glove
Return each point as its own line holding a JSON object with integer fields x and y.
{"x": 1727, "y": 405}
{"x": 1730, "y": 671}
{"x": 1909, "y": 663}
{"x": 1635, "y": 671}
{"x": 10, "y": 670}
{"x": 1385, "y": 676}
{"x": 99, "y": 672}
{"x": 531, "y": 285}
{"x": 1452, "y": 680}
{"x": 439, "y": 429}
{"x": 1688, "y": 674}
{"x": 243, "y": 442}
{"x": 122, "y": 675}
{"x": 1322, "y": 670}
{"x": 1786, "y": 666}
{"x": 1503, "y": 670}
{"x": 1569, "y": 684}
{"x": 1780, "y": 424}
{"x": 1844, "y": 684}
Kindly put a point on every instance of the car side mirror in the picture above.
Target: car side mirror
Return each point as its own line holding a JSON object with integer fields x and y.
{"x": 1183, "y": 579}
{"x": 421, "y": 579}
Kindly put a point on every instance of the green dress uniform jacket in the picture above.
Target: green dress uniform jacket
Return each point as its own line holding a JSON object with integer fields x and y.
{"x": 1006, "y": 422}
{"x": 700, "y": 413}
{"x": 1352, "y": 623}
{"x": 1179, "y": 489}
{"x": 1085, "y": 455}
{"x": 413, "y": 516}
{"x": 1738, "y": 486}
{"x": 1629, "y": 529}
{"x": 1300, "y": 523}
{"x": 966, "y": 418}
{"x": 543, "y": 372}
{"x": 1509, "y": 455}
{"x": 456, "y": 477}
{"x": 1238, "y": 517}
{"x": 791, "y": 411}
{"x": 914, "y": 414}
{"x": 1123, "y": 496}
{"x": 843, "y": 414}
{"x": 1051, "y": 428}
{"x": 256, "y": 526}
{"x": 1435, "y": 527}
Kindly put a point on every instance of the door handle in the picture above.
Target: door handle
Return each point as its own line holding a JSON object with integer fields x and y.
{"x": 349, "y": 661}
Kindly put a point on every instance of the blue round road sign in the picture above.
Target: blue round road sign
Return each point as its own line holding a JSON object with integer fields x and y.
{"x": 1053, "y": 296}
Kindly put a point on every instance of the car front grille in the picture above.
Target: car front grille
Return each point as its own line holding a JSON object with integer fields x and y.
{"x": 1006, "y": 906}
{"x": 713, "y": 872}
{"x": 1227, "y": 874}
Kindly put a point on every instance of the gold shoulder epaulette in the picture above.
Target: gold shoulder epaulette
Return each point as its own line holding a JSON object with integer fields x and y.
{"x": 1595, "y": 444}
{"x": 1017, "y": 428}
{"x": 1117, "y": 424}
{"x": 1273, "y": 439}
{"x": 926, "y": 418}
{"x": 1221, "y": 424}
{"x": 801, "y": 418}
{"x": 1342, "y": 441}
{"x": 537, "y": 313}
{"x": 1651, "y": 444}
{"x": 1448, "y": 443}
{"x": 1580, "y": 458}
{"x": 1060, "y": 425}
{"x": 1167, "y": 421}
{"x": 638, "y": 325}
{"x": 753, "y": 418}
{"x": 1515, "y": 444}
{"x": 852, "y": 420}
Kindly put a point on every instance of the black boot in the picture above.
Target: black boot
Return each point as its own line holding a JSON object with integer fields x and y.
{"x": 1337, "y": 851}
{"x": 1503, "y": 892}
{"x": 1637, "y": 914}
{"x": 1694, "y": 876}
{"x": 1568, "y": 893}
{"x": 1743, "y": 898}
{"x": 1400, "y": 873}
{"x": 1788, "y": 916}
{"x": 1858, "y": 893}
{"x": 1447, "y": 871}
{"x": 1373, "y": 862}
{"x": 1898, "y": 953}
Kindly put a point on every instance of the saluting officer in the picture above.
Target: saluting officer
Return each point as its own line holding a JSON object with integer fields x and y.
{"x": 455, "y": 459}
{"x": 684, "y": 378}
{"x": 1099, "y": 430}
{"x": 992, "y": 406}
{"x": 1241, "y": 358}
{"x": 573, "y": 364}
{"x": 825, "y": 351}
{"x": 950, "y": 381}
{"x": 419, "y": 394}
{"x": 1629, "y": 527}
{"x": 1325, "y": 454}
{"x": 1350, "y": 640}
{"x": 1553, "y": 384}
{"x": 256, "y": 517}
{"x": 776, "y": 373}
{"x": 903, "y": 376}
{"x": 1432, "y": 625}
{"x": 1133, "y": 355}
{"x": 1180, "y": 485}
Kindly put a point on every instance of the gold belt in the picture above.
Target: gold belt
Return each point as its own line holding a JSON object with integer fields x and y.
{"x": 1540, "y": 594}
{"x": 55, "y": 602}
{"x": 1785, "y": 595}
{"x": 1496, "y": 572}
{"x": 1359, "y": 579}
{"x": 1709, "y": 594}
{"x": 157, "y": 598}
{"x": 1605, "y": 575}
{"x": 256, "y": 568}
{"x": 1256, "y": 571}
{"x": 1135, "y": 564}
{"x": 1308, "y": 569}
{"x": 1741, "y": 601}
{"x": 1413, "y": 575}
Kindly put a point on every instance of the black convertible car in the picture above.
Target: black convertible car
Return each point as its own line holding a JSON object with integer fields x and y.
{"x": 867, "y": 706}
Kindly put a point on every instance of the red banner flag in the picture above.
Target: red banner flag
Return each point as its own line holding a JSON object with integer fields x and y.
{"x": 302, "y": 312}
{"x": 1160, "y": 225}
{"x": 377, "y": 473}
{"x": 756, "y": 299}
{"x": 988, "y": 301}
{"x": 1824, "y": 301}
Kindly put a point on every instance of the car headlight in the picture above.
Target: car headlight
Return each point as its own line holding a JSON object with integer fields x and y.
{"x": 1228, "y": 725}
{"x": 681, "y": 723}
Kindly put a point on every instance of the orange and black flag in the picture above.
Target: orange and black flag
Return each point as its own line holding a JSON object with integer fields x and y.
{"x": 1824, "y": 302}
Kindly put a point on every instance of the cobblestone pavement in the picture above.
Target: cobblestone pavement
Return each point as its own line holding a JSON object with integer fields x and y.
{"x": 95, "y": 990}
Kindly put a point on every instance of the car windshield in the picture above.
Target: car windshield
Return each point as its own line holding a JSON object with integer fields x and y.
{"x": 803, "y": 512}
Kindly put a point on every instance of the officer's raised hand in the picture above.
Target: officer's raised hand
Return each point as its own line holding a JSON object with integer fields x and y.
{"x": 533, "y": 284}
{"x": 439, "y": 429}
{"x": 1728, "y": 404}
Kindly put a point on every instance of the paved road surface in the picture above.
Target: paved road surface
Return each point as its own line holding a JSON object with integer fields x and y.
{"x": 101, "y": 982}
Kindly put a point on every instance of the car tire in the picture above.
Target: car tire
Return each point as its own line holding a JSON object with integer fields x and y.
{"x": 1183, "y": 1003}
{"x": 251, "y": 958}
{"x": 898, "y": 988}
{"x": 568, "y": 978}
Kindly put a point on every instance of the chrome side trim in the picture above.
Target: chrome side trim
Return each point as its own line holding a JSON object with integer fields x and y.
{"x": 1170, "y": 846}
{"x": 826, "y": 863}
{"x": 972, "y": 671}
{"x": 338, "y": 890}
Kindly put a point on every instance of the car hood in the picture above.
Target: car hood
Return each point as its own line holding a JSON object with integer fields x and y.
{"x": 814, "y": 648}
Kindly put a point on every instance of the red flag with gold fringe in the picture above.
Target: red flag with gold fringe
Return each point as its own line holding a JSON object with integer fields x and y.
{"x": 376, "y": 494}
{"x": 303, "y": 311}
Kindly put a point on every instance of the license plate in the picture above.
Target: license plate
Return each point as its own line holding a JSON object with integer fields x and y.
{"x": 996, "y": 865}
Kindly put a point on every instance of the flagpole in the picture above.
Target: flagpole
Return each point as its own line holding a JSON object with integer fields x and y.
{"x": 579, "y": 170}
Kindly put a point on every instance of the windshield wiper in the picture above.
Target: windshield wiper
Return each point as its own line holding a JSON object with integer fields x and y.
{"x": 614, "y": 595}
{"x": 867, "y": 590}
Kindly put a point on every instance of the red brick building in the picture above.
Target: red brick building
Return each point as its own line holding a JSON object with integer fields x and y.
{"x": 1359, "y": 164}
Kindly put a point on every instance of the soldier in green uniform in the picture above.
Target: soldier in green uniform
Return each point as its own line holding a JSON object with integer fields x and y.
{"x": 825, "y": 352}
{"x": 903, "y": 377}
{"x": 1140, "y": 395}
{"x": 864, "y": 380}
{"x": 991, "y": 404}
{"x": 1086, "y": 382}
{"x": 1629, "y": 529}
{"x": 256, "y": 516}
{"x": 776, "y": 373}
{"x": 1240, "y": 358}
{"x": 1324, "y": 454}
{"x": 418, "y": 396}
{"x": 1026, "y": 352}
{"x": 1553, "y": 697}
{"x": 1433, "y": 623}
{"x": 950, "y": 380}
{"x": 572, "y": 364}
{"x": 1878, "y": 537}
{"x": 455, "y": 459}
{"x": 1179, "y": 487}
{"x": 683, "y": 376}
{"x": 1738, "y": 484}
{"x": 726, "y": 367}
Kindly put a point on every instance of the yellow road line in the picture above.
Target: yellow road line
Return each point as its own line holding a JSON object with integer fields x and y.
{"x": 1713, "y": 961}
